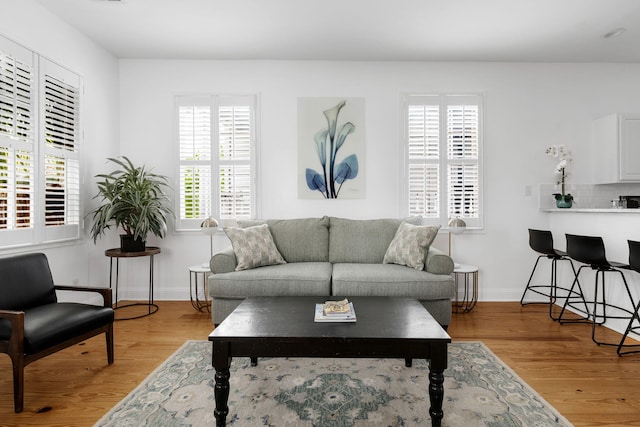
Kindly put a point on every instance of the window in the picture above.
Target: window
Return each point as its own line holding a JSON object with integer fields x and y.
{"x": 39, "y": 149}
{"x": 60, "y": 158}
{"x": 216, "y": 140}
{"x": 443, "y": 143}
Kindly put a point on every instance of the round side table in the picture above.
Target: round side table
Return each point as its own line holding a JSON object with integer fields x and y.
{"x": 199, "y": 304}
{"x": 470, "y": 294}
{"x": 117, "y": 253}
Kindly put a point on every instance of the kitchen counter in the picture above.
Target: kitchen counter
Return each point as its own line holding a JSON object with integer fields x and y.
{"x": 594, "y": 210}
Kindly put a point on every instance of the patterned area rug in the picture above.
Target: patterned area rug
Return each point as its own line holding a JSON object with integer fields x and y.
{"x": 480, "y": 390}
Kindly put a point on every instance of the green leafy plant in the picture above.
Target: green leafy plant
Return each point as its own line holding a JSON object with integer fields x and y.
{"x": 132, "y": 198}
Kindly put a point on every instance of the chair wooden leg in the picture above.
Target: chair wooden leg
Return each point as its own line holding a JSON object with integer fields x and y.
{"x": 109, "y": 337}
{"x": 18, "y": 382}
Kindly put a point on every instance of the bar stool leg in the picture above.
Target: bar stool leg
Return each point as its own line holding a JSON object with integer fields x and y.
{"x": 626, "y": 314}
{"x": 630, "y": 328}
{"x": 569, "y": 303}
{"x": 553, "y": 287}
{"x": 529, "y": 287}
{"x": 601, "y": 308}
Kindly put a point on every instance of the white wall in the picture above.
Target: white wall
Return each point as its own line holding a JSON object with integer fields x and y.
{"x": 527, "y": 108}
{"x": 29, "y": 24}
{"x": 128, "y": 109}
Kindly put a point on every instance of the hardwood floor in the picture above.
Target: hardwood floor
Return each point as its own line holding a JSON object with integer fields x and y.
{"x": 589, "y": 385}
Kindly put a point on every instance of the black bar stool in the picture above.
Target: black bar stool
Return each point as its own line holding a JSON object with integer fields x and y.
{"x": 634, "y": 264}
{"x": 541, "y": 241}
{"x": 590, "y": 251}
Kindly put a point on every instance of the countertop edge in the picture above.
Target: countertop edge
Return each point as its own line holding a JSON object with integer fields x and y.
{"x": 594, "y": 210}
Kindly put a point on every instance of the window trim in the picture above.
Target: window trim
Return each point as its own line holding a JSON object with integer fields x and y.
{"x": 441, "y": 99}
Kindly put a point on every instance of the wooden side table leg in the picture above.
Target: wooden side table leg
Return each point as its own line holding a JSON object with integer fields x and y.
{"x": 117, "y": 276}
{"x": 150, "y": 283}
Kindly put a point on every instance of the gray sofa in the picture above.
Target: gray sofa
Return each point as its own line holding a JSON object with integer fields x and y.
{"x": 332, "y": 257}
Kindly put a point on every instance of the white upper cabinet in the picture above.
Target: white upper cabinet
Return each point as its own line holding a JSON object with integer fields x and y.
{"x": 616, "y": 149}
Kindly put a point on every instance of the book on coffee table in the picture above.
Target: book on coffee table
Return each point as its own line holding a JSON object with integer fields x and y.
{"x": 322, "y": 315}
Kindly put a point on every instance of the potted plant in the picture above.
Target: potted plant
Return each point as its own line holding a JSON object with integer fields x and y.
{"x": 563, "y": 199}
{"x": 132, "y": 198}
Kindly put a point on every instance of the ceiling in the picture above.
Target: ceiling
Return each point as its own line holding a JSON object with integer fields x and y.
{"x": 362, "y": 30}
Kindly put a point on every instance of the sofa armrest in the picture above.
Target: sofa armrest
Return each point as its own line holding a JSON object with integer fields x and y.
{"x": 105, "y": 292}
{"x": 223, "y": 262}
{"x": 438, "y": 262}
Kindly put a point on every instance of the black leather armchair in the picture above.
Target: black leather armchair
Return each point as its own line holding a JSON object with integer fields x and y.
{"x": 33, "y": 324}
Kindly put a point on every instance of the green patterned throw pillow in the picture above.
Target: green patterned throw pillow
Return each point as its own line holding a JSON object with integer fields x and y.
{"x": 254, "y": 247}
{"x": 410, "y": 245}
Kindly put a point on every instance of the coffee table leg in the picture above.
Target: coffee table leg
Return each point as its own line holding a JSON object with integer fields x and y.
{"x": 221, "y": 393}
{"x": 221, "y": 363}
{"x": 436, "y": 396}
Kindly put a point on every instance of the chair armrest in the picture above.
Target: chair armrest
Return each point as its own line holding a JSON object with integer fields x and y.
{"x": 15, "y": 343}
{"x": 12, "y": 315}
{"x": 105, "y": 292}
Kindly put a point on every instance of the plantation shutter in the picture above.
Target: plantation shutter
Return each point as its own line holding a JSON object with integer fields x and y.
{"x": 194, "y": 134}
{"x": 60, "y": 109}
{"x": 423, "y": 132}
{"x": 17, "y": 156}
{"x": 39, "y": 148}
{"x": 443, "y": 142}
{"x": 462, "y": 152}
{"x": 235, "y": 149}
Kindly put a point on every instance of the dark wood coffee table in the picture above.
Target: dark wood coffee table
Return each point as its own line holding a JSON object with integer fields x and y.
{"x": 284, "y": 327}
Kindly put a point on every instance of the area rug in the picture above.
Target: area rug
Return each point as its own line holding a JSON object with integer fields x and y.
{"x": 480, "y": 390}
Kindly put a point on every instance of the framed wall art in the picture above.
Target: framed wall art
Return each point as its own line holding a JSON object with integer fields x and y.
{"x": 331, "y": 148}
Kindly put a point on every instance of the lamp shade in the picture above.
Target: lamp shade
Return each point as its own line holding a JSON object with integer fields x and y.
{"x": 457, "y": 225}
{"x": 209, "y": 226}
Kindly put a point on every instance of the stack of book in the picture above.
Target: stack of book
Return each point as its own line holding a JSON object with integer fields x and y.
{"x": 335, "y": 311}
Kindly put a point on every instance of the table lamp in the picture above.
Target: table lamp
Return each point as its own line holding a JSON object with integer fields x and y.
{"x": 456, "y": 226}
{"x": 209, "y": 226}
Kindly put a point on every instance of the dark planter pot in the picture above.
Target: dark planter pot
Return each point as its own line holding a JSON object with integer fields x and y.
{"x": 563, "y": 202}
{"x": 129, "y": 244}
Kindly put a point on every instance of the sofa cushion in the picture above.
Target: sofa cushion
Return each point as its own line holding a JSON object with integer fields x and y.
{"x": 410, "y": 245}
{"x": 362, "y": 240}
{"x": 300, "y": 278}
{"x": 253, "y": 247}
{"x": 298, "y": 240}
{"x": 389, "y": 280}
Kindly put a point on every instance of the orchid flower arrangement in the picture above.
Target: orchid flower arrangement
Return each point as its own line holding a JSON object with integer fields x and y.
{"x": 560, "y": 152}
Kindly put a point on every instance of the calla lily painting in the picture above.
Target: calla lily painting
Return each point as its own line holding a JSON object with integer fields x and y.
{"x": 330, "y": 148}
